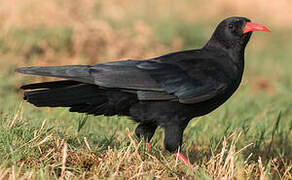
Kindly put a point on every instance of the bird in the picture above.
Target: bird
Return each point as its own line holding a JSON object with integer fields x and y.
{"x": 167, "y": 91}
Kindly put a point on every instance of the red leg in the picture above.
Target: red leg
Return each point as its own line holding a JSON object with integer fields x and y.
{"x": 183, "y": 159}
{"x": 148, "y": 146}
{"x": 180, "y": 156}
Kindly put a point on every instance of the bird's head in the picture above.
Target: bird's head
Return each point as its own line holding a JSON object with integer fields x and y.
{"x": 234, "y": 32}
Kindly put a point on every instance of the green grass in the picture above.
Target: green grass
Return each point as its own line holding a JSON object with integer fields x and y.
{"x": 35, "y": 41}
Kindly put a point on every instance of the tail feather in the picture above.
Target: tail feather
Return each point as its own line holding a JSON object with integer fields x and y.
{"x": 53, "y": 84}
{"x": 74, "y": 72}
{"x": 89, "y": 109}
{"x": 80, "y": 97}
{"x": 65, "y": 96}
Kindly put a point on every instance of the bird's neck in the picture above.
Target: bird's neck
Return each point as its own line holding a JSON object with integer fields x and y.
{"x": 235, "y": 53}
{"x": 234, "y": 50}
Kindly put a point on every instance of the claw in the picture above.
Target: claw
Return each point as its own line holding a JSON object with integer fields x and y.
{"x": 182, "y": 158}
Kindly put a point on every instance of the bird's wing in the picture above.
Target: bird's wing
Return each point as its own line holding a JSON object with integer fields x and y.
{"x": 190, "y": 81}
{"x": 123, "y": 75}
{"x": 187, "y": 81}
{"x": 78, "y": 73}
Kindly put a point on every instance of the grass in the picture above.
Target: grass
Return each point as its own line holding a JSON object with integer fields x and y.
{"x": 234, "y": 141}
{"x": 249, "y": 137}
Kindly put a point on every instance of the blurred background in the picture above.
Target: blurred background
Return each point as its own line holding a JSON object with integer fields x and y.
{"x": 59, "y": 32}
{"x": 63, "y": 32}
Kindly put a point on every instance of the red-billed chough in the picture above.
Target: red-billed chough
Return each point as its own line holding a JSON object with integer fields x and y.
{"x": 166, "y": 91}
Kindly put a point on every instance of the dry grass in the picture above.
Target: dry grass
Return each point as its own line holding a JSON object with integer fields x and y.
{"x": 56, "y": 158}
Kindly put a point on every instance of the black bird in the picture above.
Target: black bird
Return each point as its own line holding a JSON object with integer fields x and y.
{"x": 166, "y": 91}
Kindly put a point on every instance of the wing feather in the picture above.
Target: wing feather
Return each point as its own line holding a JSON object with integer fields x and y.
{"x": 188, "y": 81}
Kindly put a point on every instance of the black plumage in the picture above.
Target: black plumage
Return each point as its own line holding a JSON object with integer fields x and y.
{"x": 166, "y": 91}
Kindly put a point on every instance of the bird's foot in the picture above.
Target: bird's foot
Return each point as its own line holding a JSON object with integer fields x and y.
{"x": 148, "y": 145}
{"x": 179, "y": 155}
{"x": 183, "y": 159}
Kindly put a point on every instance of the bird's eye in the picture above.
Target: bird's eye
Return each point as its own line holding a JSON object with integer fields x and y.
{"x": 230, "y": 26}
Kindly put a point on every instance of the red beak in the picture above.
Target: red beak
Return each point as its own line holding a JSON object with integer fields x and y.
{"x": 254, "y": 27}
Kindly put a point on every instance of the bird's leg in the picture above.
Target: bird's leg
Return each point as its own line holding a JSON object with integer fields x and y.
{"x": 173, "y": 141}
{"x": 183, "y": 159}
{"x": 146, "y": 131}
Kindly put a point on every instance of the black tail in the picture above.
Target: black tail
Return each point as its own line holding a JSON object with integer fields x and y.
{"x": 81, "y": 97}
{"x": 54, "y": 84}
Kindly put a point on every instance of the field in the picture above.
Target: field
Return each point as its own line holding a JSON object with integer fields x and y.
{"x": 249, "y": 137}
